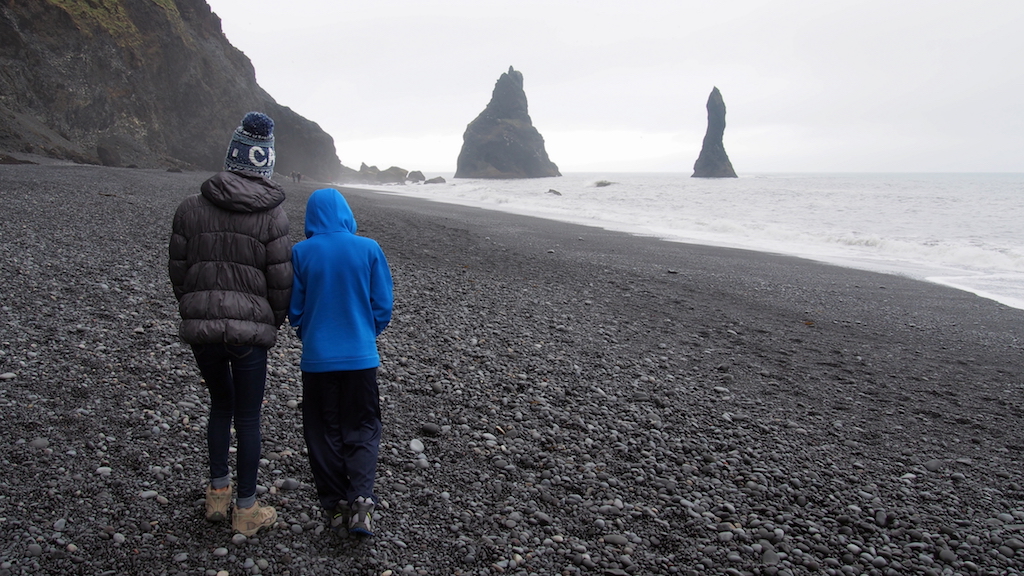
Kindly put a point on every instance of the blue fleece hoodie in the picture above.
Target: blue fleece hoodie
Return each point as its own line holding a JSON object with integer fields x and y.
{"x": 342, "y": 292}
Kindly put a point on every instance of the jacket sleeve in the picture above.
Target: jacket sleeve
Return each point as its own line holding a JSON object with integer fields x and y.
{"x": 381, "y": 291}
{"x": 279, "y": 266}
{"x": 177, "y": 262}
{"x": 298, "y": 300}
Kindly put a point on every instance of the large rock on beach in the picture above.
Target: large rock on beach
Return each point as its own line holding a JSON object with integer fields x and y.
{"x": 713, "y": 162}
{"x": 137, "y": 83}
{"x": 502, "y": 141}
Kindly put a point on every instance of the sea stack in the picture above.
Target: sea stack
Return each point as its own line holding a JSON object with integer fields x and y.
{"x": 502, "y": 142}
{"x": 713, "y": 162}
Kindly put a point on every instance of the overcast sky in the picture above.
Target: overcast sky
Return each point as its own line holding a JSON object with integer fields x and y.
{"x": 615, "y": 86}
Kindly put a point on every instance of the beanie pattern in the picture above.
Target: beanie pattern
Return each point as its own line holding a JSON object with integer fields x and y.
{"x": 252, "y": 146}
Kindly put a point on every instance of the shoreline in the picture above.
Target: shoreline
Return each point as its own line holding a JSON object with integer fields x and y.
{"x": 587, "y": 401}
{"x": 581, "y": 241}
{"x": 989, "y": 283}
{"x": 850, "y": 264}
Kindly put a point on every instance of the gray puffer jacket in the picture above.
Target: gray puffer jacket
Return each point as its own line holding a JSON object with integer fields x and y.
{"x": 230, "y": 262}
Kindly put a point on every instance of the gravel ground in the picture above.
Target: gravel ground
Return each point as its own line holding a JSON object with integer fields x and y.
{"x": 557, "y": 400}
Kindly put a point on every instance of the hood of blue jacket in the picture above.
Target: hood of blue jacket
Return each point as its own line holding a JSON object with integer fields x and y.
{"x": 327, "y": 211}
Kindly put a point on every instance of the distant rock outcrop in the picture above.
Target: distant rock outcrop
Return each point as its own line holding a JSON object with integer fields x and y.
{"x": 713, "y": 162}
{"x": 502, "y": 142}
{"x": 137, "y": 83}
{"x": 373, "y": 175}
{"x": 393, "y": 175}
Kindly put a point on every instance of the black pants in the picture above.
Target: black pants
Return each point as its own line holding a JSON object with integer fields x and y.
{"x": 341, "y": 424}
{"x": 236, "y": 377}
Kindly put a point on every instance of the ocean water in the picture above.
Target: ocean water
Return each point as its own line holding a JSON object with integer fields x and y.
{"x": 961, "y": 230}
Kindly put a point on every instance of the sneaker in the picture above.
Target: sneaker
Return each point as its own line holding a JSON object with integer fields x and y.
{"x": 248, "y": 521}
{"x": 217, "y": 502}
{"x": 340, "y": 518}
{"x": 362, "y": 512}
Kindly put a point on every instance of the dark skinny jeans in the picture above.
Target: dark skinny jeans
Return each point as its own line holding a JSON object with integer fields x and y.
{"x": 236, "y": 377}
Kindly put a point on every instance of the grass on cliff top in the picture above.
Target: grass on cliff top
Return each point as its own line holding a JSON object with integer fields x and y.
{"x": 110, "y": 15}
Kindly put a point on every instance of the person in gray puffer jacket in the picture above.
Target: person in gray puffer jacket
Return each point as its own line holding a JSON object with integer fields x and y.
{"x": 230, "y": 267}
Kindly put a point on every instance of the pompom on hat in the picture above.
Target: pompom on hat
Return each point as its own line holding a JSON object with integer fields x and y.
{"x": 252, "y": 146}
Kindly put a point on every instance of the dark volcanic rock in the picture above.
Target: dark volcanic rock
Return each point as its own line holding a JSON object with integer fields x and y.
{"x": 393, "y": 175}
{"x": 137, "y": 82}
{"x": 108, "y": 156}
{"x": 8, "y": 159}
{"x": 373, "y": 175}
{"x": 502, "y": 142}
{"x": 109, "y": 148}
{"x": 713, "y": 162}
{"x": 369, "y": 171}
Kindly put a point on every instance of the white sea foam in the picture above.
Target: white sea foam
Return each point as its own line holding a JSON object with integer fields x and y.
{"x": 961, "y": 230}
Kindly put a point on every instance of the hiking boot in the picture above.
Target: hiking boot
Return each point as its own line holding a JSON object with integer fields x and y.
{"x": 362, "y": 512}
{"x": 340, "y": 518}
{"x": 217, "y": 502}
{"x": 248, "y": 521}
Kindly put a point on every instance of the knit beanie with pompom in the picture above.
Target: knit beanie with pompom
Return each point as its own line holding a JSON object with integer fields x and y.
{"x": 252, "y": 146}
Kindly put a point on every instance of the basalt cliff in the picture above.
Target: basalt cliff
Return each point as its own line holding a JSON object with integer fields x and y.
{"x": 147, "y": 83}
{"x": 502, "y": 142}
{"x": 713, "y": 162}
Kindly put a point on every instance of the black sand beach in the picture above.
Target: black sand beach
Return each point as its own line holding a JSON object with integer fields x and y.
{"x": 557, "y": 400}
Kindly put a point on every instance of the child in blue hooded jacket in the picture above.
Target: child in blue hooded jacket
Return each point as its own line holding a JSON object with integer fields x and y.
{"x": 341, "y": 301}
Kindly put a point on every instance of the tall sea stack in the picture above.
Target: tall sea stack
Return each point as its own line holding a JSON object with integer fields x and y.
{"x": 502, "y": 142}
{"x": 713, "y": 162}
